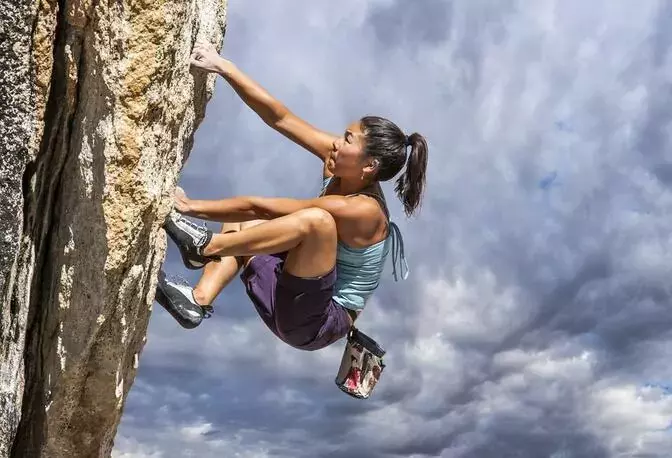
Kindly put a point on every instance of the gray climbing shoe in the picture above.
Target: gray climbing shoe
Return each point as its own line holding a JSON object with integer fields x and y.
{"x": 190, "y": 239}
{"x": 178, "y": 299}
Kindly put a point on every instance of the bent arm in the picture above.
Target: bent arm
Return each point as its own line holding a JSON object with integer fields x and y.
{"x": 275, "y": 114}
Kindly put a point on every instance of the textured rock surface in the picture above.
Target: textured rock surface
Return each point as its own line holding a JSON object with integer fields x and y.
{"x": 98, "y": 112}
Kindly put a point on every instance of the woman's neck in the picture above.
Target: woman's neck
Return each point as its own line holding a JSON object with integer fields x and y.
{"x": 352, "y": 185}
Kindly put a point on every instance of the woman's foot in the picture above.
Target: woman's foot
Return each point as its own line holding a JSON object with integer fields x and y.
{"x": 179, "y": 301}
{"x": 190, "y": 240}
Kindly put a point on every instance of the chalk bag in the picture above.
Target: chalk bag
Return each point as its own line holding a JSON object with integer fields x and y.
{"x": 361, "y": 365}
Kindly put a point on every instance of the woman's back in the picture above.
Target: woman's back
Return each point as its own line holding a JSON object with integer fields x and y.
{"x": 358, "y": 269}
{"x": 358, "y": 272}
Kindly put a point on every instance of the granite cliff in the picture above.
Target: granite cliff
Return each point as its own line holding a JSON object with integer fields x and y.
{"x": 98, "y": 108}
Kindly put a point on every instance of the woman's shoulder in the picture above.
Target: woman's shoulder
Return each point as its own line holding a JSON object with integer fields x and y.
{"x": 369, "y": 228}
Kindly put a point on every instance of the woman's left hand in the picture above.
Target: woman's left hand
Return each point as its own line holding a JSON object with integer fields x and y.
{"x": 182, "y": 203}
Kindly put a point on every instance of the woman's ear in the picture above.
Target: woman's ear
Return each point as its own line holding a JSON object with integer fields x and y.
{"x": 372, "y": 167}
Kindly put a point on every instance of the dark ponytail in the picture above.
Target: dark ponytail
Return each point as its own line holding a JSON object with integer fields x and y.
{"x": 386, "y": 142}
{"x": 411, "y": 184}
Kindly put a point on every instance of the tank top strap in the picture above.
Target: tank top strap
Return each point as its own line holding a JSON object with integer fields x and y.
{"x": 398, "y": 254}
{"x": 380, "y": 199}
{"x": 325, "y": 183}
{"x": 375, "y": 195}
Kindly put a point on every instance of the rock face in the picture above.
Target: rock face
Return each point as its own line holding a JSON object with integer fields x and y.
{"x": 97, "y": 112}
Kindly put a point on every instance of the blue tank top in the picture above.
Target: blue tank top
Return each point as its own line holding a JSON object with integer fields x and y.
{"x": 358, "y": 270}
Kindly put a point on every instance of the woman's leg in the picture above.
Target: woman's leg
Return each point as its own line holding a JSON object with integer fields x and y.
{"x": 309, "y": 236}
{"x": 216, "y": 275}
{"x": 295, "y": 303}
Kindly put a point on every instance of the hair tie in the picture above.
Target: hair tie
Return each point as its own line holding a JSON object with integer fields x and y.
{"x": 408, "y": 141}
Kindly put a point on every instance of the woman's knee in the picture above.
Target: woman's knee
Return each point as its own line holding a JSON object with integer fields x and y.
{"x": 317, "y": 220}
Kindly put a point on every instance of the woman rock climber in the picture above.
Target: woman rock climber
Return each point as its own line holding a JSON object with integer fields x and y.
{"x": 309, "y": 266}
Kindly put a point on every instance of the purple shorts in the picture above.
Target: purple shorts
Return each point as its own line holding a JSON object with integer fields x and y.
{"x": 300, "y": 311}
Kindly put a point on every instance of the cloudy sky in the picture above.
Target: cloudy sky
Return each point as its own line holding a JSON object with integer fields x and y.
{"x": 536, "y": 320}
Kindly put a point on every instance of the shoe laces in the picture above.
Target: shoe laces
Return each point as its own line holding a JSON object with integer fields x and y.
{"x": 202, "y": 229}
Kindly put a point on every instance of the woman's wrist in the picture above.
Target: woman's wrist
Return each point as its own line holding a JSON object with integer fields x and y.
{"x": 193, "y": 207}
{"x": 225, "y": 68}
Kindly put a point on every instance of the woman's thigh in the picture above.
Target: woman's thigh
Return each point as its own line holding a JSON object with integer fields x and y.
{"x": 315, "y": 256}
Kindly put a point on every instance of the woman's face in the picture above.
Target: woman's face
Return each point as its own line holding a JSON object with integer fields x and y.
{"x": 347, "y": 157}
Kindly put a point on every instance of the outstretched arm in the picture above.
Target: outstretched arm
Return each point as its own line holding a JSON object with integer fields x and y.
{"x": 247, "y": 208}
{"x": 269, "y": 109}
